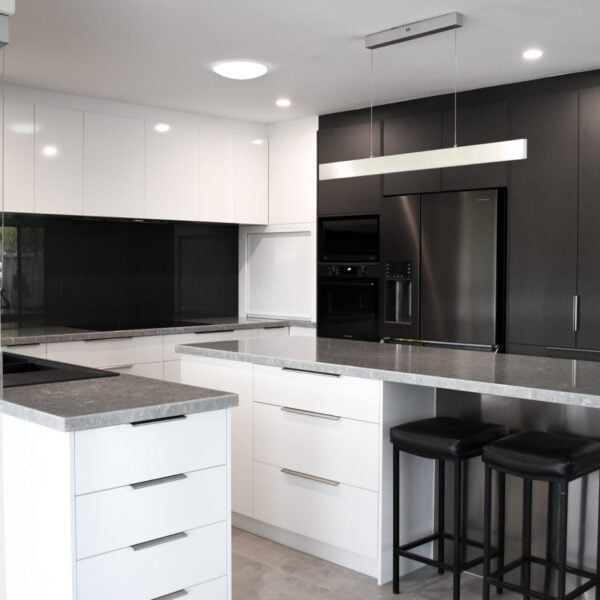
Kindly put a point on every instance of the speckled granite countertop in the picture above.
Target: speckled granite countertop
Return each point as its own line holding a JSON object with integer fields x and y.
{"x": 93, "y": 403}
{"x": 548, "y": 379}
{"x": 43, "y": 335}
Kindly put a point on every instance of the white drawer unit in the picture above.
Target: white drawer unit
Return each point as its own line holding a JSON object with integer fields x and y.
{"x": 125, "y": 454}
{"x": 109, "y": 352}
{"x": 152, "y": 370}
{"x": 112, "y": 519}
{"x": 157, "y": 568}
{"x": 322, "y": 444}
{"x": 330, "y": 512}
{"x": 211, "y": 590}
{"x": 37, "y": 350}
{"x": 349, "y": 397}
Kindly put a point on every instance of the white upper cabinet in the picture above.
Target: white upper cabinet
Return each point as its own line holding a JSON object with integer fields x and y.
{"x": 293, "y": 172}
{"x": 19, "y": 143}
{"x": 250, "y": 179}
{"x": 171, "y": 167}
{"x": 113, "y": 166}
{"x": 216, "y": 189}
{"x": 58, "y": 160}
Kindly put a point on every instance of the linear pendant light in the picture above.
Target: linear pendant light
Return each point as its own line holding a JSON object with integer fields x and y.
{"x": 457, "y": 156}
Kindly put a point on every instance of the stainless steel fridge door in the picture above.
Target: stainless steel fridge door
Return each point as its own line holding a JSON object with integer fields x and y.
{"x": 459, "y": 266}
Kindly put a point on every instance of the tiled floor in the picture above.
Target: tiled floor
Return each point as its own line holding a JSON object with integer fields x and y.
{"x": 263, "y": 570}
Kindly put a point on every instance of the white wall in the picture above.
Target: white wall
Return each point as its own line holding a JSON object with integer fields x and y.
{"x": 278, "y": 262}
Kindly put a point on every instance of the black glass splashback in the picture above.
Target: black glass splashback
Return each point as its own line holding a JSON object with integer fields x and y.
{"x": 116, "y": 274}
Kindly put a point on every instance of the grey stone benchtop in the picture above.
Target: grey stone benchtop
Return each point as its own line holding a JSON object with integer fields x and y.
{"x": 555, "y": 380}
{"x": 44, "y": 335}
{"x": 93, "y": 403}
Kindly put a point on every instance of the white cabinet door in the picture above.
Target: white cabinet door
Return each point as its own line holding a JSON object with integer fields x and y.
{"x": 236, "y": 377}
{"x": 171, "y": 173}
{"x": 153, "y": 370}
{"x": 293, "y": 178}
{"x": 58, "y": 160}
{"x": 113, "y": 166}
{"x": 216, "y": 189}
{"x": 19, "y": 124}
{"x": 251, "y": 185}
{"x": 37, "y": 350}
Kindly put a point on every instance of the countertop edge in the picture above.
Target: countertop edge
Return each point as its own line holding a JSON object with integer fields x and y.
{"x": 118, "y": 417}
{"x": 465, "y": 385}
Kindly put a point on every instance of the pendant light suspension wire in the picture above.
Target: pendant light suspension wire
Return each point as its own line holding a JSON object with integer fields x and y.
{"x": 371, "y": 94}
{"x": 455, "y": 90}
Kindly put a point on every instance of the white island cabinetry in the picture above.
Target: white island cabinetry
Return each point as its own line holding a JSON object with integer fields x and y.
{"x": 128, "y": 512}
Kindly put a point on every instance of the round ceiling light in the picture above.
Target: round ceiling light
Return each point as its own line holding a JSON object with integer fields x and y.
{"x": 533, "y": 54}
{"x": 283, "y": 102}
{"x": 162, "y": 127}
{"x": 240, "y": 69}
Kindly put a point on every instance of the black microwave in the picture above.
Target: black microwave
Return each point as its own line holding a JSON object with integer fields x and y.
{"x": 349, "y": 239}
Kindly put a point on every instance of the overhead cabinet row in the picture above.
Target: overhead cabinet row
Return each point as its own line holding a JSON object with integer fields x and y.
{"x": 411, "y": 133}
{"x": 65, "y": 161}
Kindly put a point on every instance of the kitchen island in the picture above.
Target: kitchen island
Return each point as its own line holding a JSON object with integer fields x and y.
{"x": 116, "y": 488}
{"x": 312, "y": 461}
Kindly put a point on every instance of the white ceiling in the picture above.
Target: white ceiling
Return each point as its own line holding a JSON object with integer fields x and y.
{"x": 158, "y": 52}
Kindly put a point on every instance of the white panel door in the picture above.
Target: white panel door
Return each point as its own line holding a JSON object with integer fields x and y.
{"x": 293, "y": 178}
{"x": 19, "y": 144}
{"x": 251, "y": 179}
{"x": 113, "y": 166}
{"x": 58, "y": 160}
{"x": 216, "y": 189}
{"x": 171, "y": 167}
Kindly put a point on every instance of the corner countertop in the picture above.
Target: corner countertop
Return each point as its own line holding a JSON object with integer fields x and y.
{"x": 43, "y": 335}
{"x": 573, "y": 382}
{"x": 106, "y": 401}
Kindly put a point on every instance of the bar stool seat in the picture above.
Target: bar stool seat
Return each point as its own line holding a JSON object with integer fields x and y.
{"x": 539, "y": 456}
{"x": 445, "y": 437}
{"x": 544, "y": 455}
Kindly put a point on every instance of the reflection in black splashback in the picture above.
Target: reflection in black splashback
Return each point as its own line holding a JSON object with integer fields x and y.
{"x": 116, "y": 274}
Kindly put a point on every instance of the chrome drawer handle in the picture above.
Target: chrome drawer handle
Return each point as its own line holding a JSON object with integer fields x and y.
{"x": 158, "y": 541}
{"x": 158, "y": 481}
{"x": 173, "y": 595}
{"x": 117, "y": 367}
{"x": 159, "y": 420}
{"x": 311, "y": 477}
{"x": 310, "y": 413}
{"x": 217, "y": 331}
{"x": 310, "y": 372}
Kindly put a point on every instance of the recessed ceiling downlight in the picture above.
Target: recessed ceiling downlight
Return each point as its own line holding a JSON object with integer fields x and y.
{"x": 162, "y": 127}
{"x": 533, "y": 54}
{"x": 283, "y": 102}
{"x": 240, "y": 69}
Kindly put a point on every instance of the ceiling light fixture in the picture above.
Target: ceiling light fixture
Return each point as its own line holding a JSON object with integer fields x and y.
{"x": 533, "y": 54}
{"x": 240, "y": 69}
{"x": 283, "y": 102}
{"x": 456, "y": 156}
{"x": 162, "y": 127}
{"x": 258, "y": 142}
{"x": 50, "y": 151}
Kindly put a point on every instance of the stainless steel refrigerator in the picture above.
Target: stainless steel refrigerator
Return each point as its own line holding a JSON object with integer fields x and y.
{"x": 443, "y": 269}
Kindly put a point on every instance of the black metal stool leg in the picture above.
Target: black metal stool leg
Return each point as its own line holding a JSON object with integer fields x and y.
{"x": 563, "y": 504}
{"x": 526, "y": 536}
{"x": 487, "y": 526}
{"x": 396, "y": 521}
{"x": 501, "y": 523}
{"x": 441, "y": 507}
{"x": 457, "y": 528}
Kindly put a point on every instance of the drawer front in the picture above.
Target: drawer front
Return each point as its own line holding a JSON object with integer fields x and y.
{"x": 109, "y": 353}
{"x": 151, "y": 370}
{"x": 341, "y": 515}
{"x": 124, "y": 516}
{"x": 349, "y": 397}
{"x": 37, "y": 350}
{"x": 172, "y": 371}
{"x": 274, "y": 331}
{"x": 124, "y": 454}
{"x": 155, "y": 571}
{"x": 173, "y": 340}
{"x": 217, "y": 589}
{"x": 340, "y": 449}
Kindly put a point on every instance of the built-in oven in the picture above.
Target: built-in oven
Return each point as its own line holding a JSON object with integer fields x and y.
{"x": 352, "y": 239}
{"x": 348, "y": 301}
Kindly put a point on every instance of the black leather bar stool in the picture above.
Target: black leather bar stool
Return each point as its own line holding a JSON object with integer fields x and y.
{"x": 539, "y": 456}
{"x": 442, "y": 439}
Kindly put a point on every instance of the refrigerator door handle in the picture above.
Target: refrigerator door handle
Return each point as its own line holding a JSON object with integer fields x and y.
{"x": 575, "y": 313}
